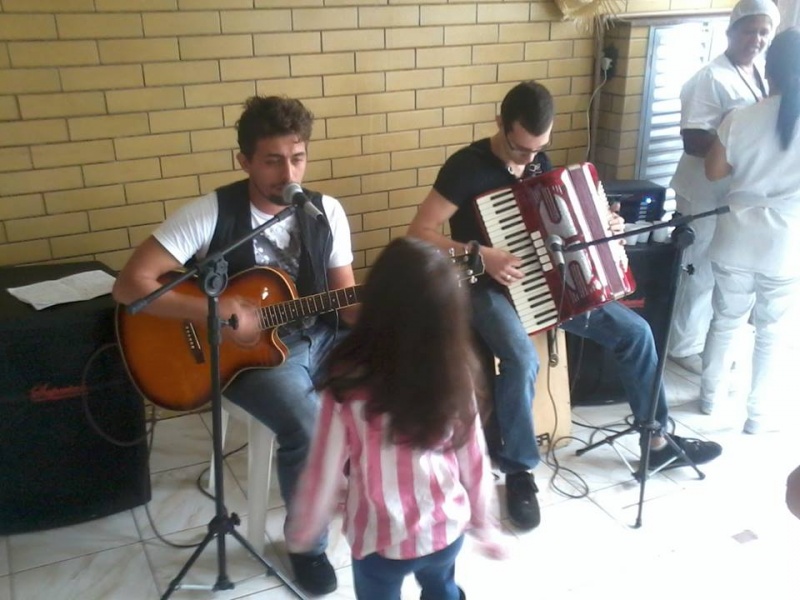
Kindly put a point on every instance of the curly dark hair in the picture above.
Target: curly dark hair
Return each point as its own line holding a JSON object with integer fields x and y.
{"x": 530, "y": 103}
{"x": 411, "y": 348}
{"x": 268, "y": 116}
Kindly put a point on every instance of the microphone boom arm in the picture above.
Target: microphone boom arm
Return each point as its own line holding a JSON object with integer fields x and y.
{"x": 673, "y": 222}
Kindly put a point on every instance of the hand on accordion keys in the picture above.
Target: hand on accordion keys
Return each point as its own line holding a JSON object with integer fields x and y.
{"x": 501, "y": 265}
{"x": 616, "y": 224}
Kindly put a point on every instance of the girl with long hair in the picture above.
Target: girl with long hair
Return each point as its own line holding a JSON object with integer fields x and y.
{"x": 399, "y": 414}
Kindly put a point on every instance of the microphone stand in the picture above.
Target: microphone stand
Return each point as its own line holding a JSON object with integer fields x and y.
{"x": 682, "y": 237}
{"x": 212, "y": 277}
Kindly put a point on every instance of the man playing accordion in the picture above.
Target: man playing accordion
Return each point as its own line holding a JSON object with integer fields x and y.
{"x": 516, "y": 152}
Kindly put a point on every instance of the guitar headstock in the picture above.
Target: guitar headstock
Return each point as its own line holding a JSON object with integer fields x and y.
{"x": 470, "y": 262}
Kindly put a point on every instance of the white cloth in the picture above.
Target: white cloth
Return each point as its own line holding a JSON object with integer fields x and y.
{"x": 706, "y": 98}
{"x": 773, "y": 302}
{"x": 754, "y": 251}
{"x": 762, "y": 231}
{"x": 188, "y": 231}
{"x": 710, "y": 94}
{"x": 692, "y": 311}
{"x": 749, "y": 8}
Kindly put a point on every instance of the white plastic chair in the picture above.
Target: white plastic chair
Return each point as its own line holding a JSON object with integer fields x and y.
{"x": 260, "y": 445}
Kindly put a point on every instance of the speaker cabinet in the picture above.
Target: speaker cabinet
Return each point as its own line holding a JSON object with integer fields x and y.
{"x": 593, "y": 369}
{"x": 72, "y": 444}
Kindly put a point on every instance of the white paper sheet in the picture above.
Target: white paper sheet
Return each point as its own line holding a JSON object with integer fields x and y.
{"x": 73, "y": 288}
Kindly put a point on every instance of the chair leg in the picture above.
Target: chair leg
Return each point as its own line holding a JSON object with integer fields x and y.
{"x": 258, "y": 480}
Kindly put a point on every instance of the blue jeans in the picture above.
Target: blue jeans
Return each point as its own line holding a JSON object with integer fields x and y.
{"x": 509, "y": 433}
{"x": 629, "y": 337}
{"x": 284, "y": 399}
{"x": 376, "y": 577}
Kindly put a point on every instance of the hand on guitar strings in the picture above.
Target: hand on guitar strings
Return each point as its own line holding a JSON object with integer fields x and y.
{"x": 247, "y": 331}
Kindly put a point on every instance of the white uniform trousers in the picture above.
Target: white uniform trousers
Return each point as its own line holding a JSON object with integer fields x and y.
{"x": 692, "y": 312}
{"x": 772, "y": 301}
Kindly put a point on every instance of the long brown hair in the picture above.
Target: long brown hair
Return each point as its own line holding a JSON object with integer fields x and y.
{"x": 411, "y": 348}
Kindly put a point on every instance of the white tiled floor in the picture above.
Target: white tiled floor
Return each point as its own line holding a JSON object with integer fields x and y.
{"x": 726, "y": 536}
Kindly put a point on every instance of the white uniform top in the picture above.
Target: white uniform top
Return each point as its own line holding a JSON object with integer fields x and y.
{"x": 762, "y": 231}
{"x": 706, "y": 98}
{"x": 188, "y": 232}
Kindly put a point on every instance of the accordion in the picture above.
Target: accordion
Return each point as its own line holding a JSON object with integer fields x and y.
{"x": 569, "y": 203}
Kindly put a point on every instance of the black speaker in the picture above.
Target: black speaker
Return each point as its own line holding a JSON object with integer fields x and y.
{"x": 72, "y": 445}
{"x": 593, "y": 372}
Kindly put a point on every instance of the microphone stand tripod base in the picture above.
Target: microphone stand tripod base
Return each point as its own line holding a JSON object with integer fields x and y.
{"x": 682, "y": 237}
{"x": 213, "y": 279}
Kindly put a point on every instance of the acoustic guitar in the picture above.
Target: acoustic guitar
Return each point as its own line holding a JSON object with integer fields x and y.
{"x": 168, "y": 360}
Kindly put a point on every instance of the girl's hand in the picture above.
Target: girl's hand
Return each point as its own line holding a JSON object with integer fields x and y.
{"x": 490, "y": 543}
{"x": 493, "y": 549}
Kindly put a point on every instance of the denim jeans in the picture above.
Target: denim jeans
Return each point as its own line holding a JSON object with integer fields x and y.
{"x": 629, "y": 337}
{"x": 377, "y": 577}
{"x": 284, "y": 399}
{"x": 509, "y": 433}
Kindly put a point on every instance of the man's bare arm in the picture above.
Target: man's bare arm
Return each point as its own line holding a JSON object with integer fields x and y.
{"x": 697, "y": 142}
{"x": 717, "y": 165}
{"x": 140, "y": 276}
{"x": 427, "y": 225}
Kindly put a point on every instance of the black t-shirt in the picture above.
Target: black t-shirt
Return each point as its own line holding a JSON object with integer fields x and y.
{"x": 471, "y": 172}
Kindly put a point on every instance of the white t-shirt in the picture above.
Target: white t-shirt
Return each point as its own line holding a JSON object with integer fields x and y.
{"x": 762, "y": 231}
{"x": 706, "y": 98}
{"x": 188, "y": 232}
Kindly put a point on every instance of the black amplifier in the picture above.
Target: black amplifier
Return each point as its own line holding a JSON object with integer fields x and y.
{"x": 65, "y": 399}
{"x": 639, "y": 200}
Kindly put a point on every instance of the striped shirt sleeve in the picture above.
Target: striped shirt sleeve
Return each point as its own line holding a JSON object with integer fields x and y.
{"x": 476, "y": 476}
{"x": 317, "y": 491}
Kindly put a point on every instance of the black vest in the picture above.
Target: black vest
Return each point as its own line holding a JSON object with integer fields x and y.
{"x": 234, "y": 221}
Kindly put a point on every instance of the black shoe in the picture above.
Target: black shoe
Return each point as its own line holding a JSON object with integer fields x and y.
{"x": 698, "y": 451}
{"x": 523, "y": 507}
{"x": 461, "y": 595}
{"x": 314, "y": 573}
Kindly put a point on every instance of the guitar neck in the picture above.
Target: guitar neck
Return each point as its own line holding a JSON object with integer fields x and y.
{"x": 283, "y": 313}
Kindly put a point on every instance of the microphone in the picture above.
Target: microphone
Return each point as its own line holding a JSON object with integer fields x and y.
{"x": 555, "y": 245}
{"x": 293, "y": 194}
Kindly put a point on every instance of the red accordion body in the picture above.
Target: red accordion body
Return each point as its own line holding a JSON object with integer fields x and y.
{"x": 567, "y": 202}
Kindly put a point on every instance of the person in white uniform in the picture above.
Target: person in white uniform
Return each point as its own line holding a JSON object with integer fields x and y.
{"x": 755, "y": 249}
{"x": 730, "y": 81}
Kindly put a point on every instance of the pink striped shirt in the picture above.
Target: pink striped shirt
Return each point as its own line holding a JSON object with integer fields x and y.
{"x": 401, "y": 502}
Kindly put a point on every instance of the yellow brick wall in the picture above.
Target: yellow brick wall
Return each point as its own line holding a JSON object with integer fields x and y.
{"x": 115, "y": 112}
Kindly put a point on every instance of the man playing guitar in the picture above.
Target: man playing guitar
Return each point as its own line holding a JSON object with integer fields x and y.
{"x": 313, "y": 254}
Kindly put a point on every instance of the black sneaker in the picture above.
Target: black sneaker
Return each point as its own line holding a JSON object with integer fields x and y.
{"x": 698, "y": 451}
{"x": 314, "y": 573}
{"x": 523, "y": 507}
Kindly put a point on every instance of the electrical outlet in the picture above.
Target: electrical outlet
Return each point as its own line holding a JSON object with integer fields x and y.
{"x": 608, "y": 62}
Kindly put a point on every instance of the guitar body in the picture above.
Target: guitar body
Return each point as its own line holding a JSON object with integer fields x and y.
{"x": 169, "y": 360}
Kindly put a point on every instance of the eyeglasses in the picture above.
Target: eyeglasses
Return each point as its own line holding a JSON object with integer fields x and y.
{"x": 514, "y": 149}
